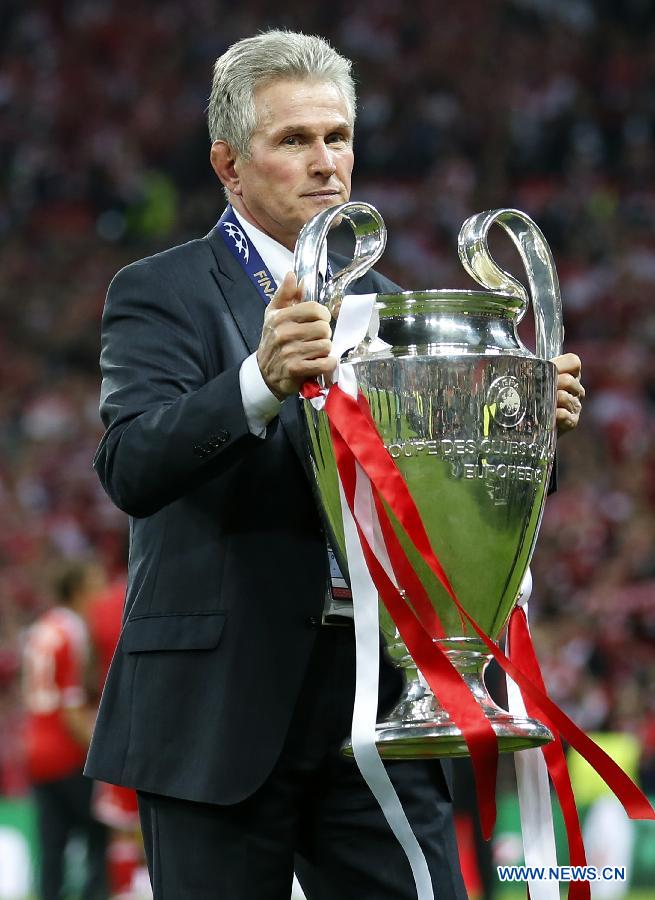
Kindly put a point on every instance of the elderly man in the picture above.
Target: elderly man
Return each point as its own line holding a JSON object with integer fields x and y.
{"x": 229, "y": 697}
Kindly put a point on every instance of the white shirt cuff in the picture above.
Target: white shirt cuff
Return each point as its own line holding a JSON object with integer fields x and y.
{"x": 259, "y": 403}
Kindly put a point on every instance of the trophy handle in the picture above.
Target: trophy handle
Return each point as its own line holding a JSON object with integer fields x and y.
{"x": 370, "y": 240}
{"x": 539, "y": 266}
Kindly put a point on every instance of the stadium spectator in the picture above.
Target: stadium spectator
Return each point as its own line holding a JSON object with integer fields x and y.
{"x": 58, "y": 730}
{"x": 114, "y": 805}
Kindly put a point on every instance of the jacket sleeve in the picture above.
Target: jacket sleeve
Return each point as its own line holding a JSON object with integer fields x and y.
{"x": 169, "y": 426}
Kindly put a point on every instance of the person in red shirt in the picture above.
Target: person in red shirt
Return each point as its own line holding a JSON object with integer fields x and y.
{"x": 114, "y": 805}
{"x": 58, "y": 728}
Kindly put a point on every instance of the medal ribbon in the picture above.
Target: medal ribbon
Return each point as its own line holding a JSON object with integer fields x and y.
{"x": 247, "y": 255}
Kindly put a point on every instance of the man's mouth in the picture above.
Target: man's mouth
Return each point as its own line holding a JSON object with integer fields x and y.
{"x": 320, "y": 194}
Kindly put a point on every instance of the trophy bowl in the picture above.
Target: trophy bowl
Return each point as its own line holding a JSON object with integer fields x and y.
{"x": 468, "y": 415}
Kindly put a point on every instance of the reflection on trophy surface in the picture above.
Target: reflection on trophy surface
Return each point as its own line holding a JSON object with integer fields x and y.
{"x": 468, "y": 414}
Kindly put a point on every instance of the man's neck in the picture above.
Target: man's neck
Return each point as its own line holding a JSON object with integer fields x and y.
{"x": 239, "y": 207}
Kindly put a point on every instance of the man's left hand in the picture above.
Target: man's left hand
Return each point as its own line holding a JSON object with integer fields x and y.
{"x": 570, "y": 392}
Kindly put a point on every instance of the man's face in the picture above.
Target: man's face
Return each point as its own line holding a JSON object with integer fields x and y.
{"x": 301, "y": 157}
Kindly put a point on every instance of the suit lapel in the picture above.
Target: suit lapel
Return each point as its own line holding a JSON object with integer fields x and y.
{"x": 247, "y": 308}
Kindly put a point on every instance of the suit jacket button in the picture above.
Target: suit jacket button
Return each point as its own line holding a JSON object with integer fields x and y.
{"x": 217, "y": 440}
{"x": 314, "y": 620}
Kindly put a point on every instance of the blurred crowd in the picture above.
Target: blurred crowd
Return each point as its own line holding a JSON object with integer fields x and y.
{"x": 543, "y": 105}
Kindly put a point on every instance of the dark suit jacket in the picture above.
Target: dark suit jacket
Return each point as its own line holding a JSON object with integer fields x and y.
{"x": 227, "y": 567}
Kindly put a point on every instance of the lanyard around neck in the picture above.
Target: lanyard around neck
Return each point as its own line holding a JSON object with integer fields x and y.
{"x": 247, "y": 255}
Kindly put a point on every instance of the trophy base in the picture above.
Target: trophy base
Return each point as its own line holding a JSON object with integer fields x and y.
{"x": 419, "y": 728}
{"x": 427, "y": 740}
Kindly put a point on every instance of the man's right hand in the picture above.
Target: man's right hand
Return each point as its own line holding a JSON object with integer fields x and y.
{"x": 296, "y": 340}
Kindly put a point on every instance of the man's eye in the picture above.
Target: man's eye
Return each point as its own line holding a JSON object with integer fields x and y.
{"x": 336, "y": 138}
{"x": 290, "y": 140}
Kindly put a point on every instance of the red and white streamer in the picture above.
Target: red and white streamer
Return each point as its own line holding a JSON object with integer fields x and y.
{"x": 352, "y": 326}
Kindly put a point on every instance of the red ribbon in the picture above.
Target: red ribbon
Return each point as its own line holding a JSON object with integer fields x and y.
{"x": 437, "y": 669}
{"x": 364, "y": 442}
{"x": 356, "y": 439}
{"x": 310, "y": 390}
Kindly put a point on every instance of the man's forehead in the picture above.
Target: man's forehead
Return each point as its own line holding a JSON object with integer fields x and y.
{"x": 287, "y": 101}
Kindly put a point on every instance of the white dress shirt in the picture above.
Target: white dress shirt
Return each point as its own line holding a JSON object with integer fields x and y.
{"x": 259, "y": 403}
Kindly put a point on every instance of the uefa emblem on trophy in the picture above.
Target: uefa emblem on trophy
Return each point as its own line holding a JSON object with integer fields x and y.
{"x": 467, "y": 413}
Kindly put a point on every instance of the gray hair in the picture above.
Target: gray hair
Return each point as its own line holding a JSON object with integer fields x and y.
{"x": 258, "y": 60}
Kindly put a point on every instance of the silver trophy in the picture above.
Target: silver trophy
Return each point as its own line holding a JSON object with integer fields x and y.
{"x": 468, "y": 414}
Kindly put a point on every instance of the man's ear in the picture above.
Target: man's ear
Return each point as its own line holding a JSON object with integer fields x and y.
{"x": 223, "y": 160}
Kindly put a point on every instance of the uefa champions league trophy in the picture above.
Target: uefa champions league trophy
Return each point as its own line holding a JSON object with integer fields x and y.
{"x": 468, "y": 414}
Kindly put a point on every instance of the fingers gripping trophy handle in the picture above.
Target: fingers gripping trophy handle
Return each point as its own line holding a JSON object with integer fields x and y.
{"x": 539, "y": 265}
{"x": 370, "y": 240}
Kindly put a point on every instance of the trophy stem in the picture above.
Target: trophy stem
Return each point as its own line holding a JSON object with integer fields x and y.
{"x": 419, "y": 727}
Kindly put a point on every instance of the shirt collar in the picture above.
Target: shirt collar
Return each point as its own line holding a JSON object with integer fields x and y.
{"x": 277, "y": 258}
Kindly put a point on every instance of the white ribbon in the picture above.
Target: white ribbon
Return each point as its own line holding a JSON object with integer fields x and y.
{"x": 367, "y": 641}
{"x": 356, "y": 320}
{"x": 537, "y": 829}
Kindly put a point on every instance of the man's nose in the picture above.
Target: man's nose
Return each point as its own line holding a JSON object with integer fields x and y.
{"x": 322, "y": 162}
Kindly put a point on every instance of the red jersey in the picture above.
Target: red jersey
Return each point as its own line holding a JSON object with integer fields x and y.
{"x": 104, "y": 615}
{"x": 115, "y": 806}
{"x": 55, "y": 658}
